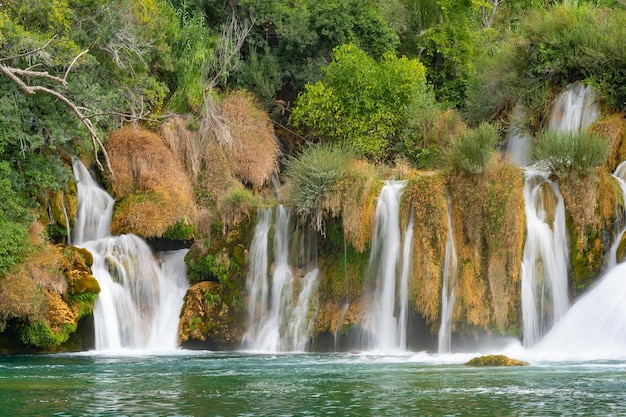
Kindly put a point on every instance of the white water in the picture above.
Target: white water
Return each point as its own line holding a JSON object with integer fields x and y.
{"x": 518, "y": 142}
{"x": 385, "y": 320}
{"x": 545, "y": 260}
{"x": 277, "y": 322}
{"x": 95, "y": 207}
{"x": 450, "y": 275}
{"x": 594, "y": 327}
{"x": 575, "y": 108}
{"x": 140, "y": 296}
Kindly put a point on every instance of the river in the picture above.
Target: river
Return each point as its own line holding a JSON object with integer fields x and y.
{"x": 192, "y": 383}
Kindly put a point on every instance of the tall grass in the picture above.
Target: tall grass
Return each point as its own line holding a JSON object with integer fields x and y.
{"x": 570, "y": 154}
{"x": 472, "y": 151}
{"x": 311, "y": 177}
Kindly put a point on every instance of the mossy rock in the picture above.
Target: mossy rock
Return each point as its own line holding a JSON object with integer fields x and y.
{"x": 206, "y": 315}
{"x": 495, "y": 360}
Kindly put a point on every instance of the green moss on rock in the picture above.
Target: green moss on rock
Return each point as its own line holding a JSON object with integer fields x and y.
{"x": 495, "y": 360}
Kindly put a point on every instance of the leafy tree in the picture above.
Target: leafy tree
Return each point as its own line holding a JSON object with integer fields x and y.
{"x": 361, "y": 102}
{"x": 299, "y": 38}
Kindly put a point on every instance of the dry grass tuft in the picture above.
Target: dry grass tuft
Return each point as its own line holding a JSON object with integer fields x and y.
{"x": 153, "y": 189}
{"x": 254, "y": 151}
{"x": 186, "y": 145}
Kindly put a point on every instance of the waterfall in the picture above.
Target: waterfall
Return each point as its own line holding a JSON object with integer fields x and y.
{"x": 575, "y": 108}
{"x": 545, "y": 258}
{"x": 277, "y": 322}
{"x": 95, "y": 207}
{"x": 450, "y": 275}
{"x": 68, "y": 229}
{"x": 140, "y": 296}
{"x": 620, "y": 177}
{"x": 594, "y": 327}
{"x": 517, "y": 141}
{"x": 385, "y": 320}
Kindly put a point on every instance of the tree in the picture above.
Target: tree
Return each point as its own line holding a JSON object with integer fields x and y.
{"x": 362, "y": 102}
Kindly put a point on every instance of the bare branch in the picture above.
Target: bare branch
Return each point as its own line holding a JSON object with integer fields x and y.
{"x": 38, "y": 74}
{"x": 230, "y": 43}
{"x": 14, "y": 73}
{"x": 27, "y": 53}
{"x": 72, "y": 64}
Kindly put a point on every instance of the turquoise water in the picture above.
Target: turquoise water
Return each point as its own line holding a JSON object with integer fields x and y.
{"x": 242, "y": 384}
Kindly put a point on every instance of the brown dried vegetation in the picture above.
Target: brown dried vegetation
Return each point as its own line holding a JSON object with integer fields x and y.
{"x": 425, "y": 194}
{"x": 488, "y": 219}
{"x": 254, "y": 151}
{"x": 153, "y": 190}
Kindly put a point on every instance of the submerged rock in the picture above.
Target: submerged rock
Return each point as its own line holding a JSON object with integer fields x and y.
{"x": 495, "y": 360}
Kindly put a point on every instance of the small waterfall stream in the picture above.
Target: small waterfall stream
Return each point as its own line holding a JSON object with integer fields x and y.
{"x": 277, "y": 321}
{"x": 387, "y": 318}
{"x": 575, "y": 108}
{"x": 545, "y": 259}
{"x": 620, "y": 177}
{"x": 448, "y": 290}
{"x": 141, "y": 296}
{"x": 546, "y": 253}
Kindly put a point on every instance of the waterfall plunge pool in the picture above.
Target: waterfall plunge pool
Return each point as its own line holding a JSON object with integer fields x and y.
{"x": 204, "y": 383}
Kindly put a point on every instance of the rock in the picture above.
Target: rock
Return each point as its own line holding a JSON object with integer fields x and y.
{"x": 495, "y": 360}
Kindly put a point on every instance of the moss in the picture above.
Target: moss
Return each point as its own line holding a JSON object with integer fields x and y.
{"x": 181, "y": 230}
{"x": 207, "y": 314}
{"x": 495, "y": 360}
{"x": 39, "y": 334}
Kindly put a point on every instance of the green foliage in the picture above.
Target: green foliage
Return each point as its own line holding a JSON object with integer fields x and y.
{"x": 473, "y": 150}
{"x": 181, "y": 230}
{"x": 194, "y": 49}
{"x": 300, "y": 37}
{"x": 553, "y": 47}
{"x": 85, "y": 302}
{"x": 570, "y": 154}
{"x": 209, "y": 267}
{"x": 441, "y": 33}
{"x": 39, "y": 334}
{"x": 13, "y": 223}
{"x": 311, "y": 177}
{"x": 362, "y": 103}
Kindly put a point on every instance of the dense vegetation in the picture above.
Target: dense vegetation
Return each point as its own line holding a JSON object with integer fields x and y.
{"x": 346, "y": 85}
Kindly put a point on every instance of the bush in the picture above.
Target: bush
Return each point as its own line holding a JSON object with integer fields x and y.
{"x": 570, "y": 154}
{"x": 363, "y": 103}
{"x": 311, "y": 177}
{"x": 472, "y": 151}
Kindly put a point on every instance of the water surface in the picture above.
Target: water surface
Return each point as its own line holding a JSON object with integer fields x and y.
{"x": 244, "y": 384}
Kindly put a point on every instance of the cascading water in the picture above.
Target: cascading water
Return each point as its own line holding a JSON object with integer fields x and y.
{"x": 277, "y": 322}
{"x": 594, "y": 327}
{"x": 517, "y": 141}
{"x": 620, "y": 177}
{"x": 575, "y": 108}
{"x": 450, "y": 275}
{"x": 140, "y": 297}
{"x": 545, "y": 259}
{"x": 546, "y": 253}
{"x": 387, "y": 318}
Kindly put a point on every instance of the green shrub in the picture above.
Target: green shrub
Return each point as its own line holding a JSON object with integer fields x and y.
{"x": 39, "y": 334}
{"x": 311, "y": 177}
{"x": 570, "y": 154}
{"x": 362, "y": 102}
{"x": 472, "y": 151}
